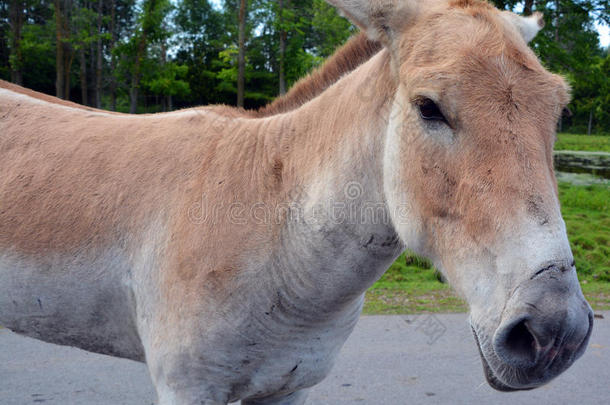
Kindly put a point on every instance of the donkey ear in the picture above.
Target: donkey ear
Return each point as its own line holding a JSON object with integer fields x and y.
{"x": 527, "y": 26}
{"x": 382, "y": 20}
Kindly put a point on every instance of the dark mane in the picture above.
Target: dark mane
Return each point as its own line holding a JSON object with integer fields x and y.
{"x": 354, "y": 53}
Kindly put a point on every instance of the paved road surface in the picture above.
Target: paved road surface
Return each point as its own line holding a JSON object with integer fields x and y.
{"x": 388, "y": 360}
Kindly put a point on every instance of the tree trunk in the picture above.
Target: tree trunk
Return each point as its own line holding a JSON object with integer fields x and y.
{"x": 590, "y": 125}
{"x": 164, "y": 97}
{"x": 98, "y": 70}
{"x": 113, "y": 83}
{"x": 69, "y": 58}
{"x": 16, "y": 17}
{"x": 92, "y": 67}
{"x": 133, "y": 99}
{"x": 557, "y": 21}
{"x": 64, "y": 54}
{"x": 528, "y": 7}
{"x": 282, "y": 50}
{"x": 241, "y": 60}
{"x": 59, "y": 51}
{"x": 83, "y": 76}
{"x": 135, "y": 78}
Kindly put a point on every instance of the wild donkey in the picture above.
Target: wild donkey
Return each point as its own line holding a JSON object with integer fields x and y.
{"x": 232, "y": 255}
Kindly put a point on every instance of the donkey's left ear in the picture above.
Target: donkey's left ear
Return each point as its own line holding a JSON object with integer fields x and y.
{"x": 382, "y": 20}
{"x": 527, "y": 26}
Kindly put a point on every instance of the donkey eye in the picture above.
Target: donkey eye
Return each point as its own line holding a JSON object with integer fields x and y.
{"x": 429, "y": 111}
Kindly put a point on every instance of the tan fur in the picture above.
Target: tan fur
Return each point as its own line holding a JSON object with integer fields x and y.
{"x": 42, "y": 96}
{"x": 76, "y": 177}
{"x": 507, "y": 102}
{"x": 347, "y": 58}
{"x": 162, "y": 190}
{"x": 47, "y": 225}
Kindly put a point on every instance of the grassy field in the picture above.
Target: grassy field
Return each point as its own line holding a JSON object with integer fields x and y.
{"x": 589, "y": 143}
{"x": 411, "y": 285}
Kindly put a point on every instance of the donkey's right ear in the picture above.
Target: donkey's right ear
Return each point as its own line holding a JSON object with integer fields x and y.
{"x": 382, "y": 20}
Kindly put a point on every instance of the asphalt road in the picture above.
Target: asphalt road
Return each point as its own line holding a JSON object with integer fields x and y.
{"x": 388, "y": 360}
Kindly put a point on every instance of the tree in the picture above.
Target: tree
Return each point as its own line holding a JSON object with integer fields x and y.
{"x": 16, "y": 21}
{"x": 241, "y": 58}
{"x": 60, "y": 46}
{"x": 98, "y": 70}
{"x": 121, "y": 25}
{"x": 5, "y": 47}
{"x": 151, "y": 55}
{"x": 203, "y": 33}
{"x": 113, "y": 58}
{"x": 168, "y": 82}
{"x": 81, "y": 38}
{"x": 569, "y": 44}
{"x": 64, "y": 46}
{"x": 150, "y": 31}
{"x": 140, "y": 42}
{"x": 329, "y": 29}
{"x": 282, "y": 48}
{"x": 37, "y": 46}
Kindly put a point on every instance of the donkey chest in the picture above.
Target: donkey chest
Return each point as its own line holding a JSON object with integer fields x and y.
{"x": 282, "y": 356}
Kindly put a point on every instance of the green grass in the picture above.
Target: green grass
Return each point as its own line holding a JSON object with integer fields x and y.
{"x": 411, "y": 284}
{"x": 589, "y": 143}
{"x": 586, "y": 210}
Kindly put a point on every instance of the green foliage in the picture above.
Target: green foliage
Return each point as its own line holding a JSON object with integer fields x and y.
{"x": 156, "y": 40}
{"x": 83, "y": 23}
{"x": 569, "y": 45}
{"x": 329, "y": 28}
{"x": 38, "y": 53}
{"x": 168, "y": 80}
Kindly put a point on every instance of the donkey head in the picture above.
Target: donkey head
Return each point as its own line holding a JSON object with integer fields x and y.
{"x": 468, "y": 165}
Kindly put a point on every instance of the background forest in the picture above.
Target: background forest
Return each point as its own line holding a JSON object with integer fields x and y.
{"x": 157, "y": 55}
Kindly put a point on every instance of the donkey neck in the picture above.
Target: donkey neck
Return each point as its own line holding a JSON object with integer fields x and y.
{"x": 341, "y": 240}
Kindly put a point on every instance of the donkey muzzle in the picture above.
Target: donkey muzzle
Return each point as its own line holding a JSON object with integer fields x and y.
{"x": 545, "y": 327}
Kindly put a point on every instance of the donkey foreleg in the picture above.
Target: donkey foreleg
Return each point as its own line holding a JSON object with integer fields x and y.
{"x": 295, "y": 398}
{"x": 167, "y": 396}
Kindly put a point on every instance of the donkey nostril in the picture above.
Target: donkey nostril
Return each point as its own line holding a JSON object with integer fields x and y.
{"x": 517, "y": 345}
{"x": 521, "y": 342}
